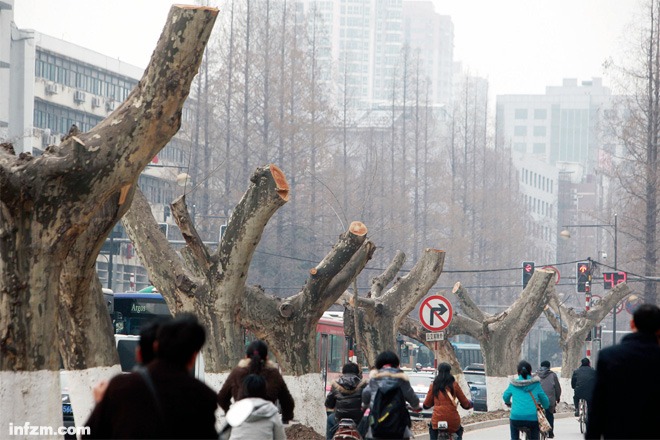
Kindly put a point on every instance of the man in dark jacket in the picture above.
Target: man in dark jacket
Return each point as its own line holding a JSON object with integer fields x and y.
{"x": 552, "y": 389}
{"x": 345, "y": 398}
{"x": 626, "y": 403}
{"x": 167, "y": 401}
{"x": 583, "y": 381}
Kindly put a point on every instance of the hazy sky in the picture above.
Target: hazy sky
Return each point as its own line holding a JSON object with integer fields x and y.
{"x": 521, "y": 46}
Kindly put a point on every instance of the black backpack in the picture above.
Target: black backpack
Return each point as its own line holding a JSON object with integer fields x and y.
{"x": 389, "y": 416}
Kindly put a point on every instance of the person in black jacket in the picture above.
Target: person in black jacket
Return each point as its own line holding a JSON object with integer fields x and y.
{"x": 626, "y": 400}
{"x": 167, "y": 402}
{"x": 583, "y": 381}
{"x": 345, "y": 398}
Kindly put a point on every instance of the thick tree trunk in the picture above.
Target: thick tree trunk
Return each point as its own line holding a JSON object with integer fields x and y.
{"x": 47, "y": 203}
{"x": 211, "y": 286}
{"x": 573, "y": 327}
{"x": 502, "y": 335}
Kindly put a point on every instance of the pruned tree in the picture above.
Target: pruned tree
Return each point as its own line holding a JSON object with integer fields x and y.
{"x": 46, "y": 206}
{"x": 501, "y": 335}
{"x": 381, "y": 313}
{"x": 213, "y": 286}
{"x": 574, "y": 326}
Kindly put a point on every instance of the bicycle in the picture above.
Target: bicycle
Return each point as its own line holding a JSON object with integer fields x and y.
{"x": 524, "y": 433}
{"x": 582, "y": 415}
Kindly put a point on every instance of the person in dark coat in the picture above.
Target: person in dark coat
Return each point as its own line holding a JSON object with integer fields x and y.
{"x": 626, "y": 401}
{"x": 167, "y": 402}
{"x": 256, "y": 362}
{"x": 388, "y": 375}
{"x": 583, "y": 381}
{"x": 552, "y": 389}
{"x": 345, "y": 399}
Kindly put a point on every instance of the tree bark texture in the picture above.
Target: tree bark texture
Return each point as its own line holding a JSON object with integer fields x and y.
{"x": 209, "y": 285}
{"x": 501, "y": 336}
{"x": 47, "y": 203}
{"x": 289, "y": 325}
{"x": 574, "y": 326}
{"x": 380, "y": 316}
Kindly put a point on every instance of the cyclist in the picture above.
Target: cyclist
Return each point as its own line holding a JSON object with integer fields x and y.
{"x": 583, "y": 381}
{"x": 521, "y": 394}
{"x": 444, "y": 395}
{"x": 345, "y": 399}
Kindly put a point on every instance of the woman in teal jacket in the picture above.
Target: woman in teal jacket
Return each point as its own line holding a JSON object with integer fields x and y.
{"x": 523, "y": 409}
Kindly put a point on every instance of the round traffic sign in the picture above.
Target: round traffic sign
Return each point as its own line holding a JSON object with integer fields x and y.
{"x": 435, "y": 313}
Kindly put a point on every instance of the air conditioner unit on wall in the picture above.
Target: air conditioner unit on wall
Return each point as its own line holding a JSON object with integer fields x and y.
{"x": 109, "y": 105}
{"x": 79, "y": 96}
{"x": 51, "y": 88}
{"x": 96, "y": 101}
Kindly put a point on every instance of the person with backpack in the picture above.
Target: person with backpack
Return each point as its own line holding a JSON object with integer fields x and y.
{"x": 443, "y": 396}
{"x": 522, "y": 395}
{"x": 386, "y": 395}
{"x": 345, "y": 399}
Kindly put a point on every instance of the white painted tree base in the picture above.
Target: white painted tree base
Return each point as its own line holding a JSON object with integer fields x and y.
{"x": 309, "y": 396}
{"x": 79, "y": 383}
{"x": 31, "y": 397}
{"x": 496, "y": 387}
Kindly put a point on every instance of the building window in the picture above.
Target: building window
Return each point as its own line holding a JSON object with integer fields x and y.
{"x": 520, "y": 113}
{"x": 520, "y": 130}
{"x": 539, "y": 130}
{"x": 520, "y": 147}
{"x": 540, "y": 113}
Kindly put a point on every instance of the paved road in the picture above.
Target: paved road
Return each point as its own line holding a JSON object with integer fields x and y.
{"x": 565, "y": 429}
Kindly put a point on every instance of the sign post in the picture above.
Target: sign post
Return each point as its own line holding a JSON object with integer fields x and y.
{"x": 435, "y": 314}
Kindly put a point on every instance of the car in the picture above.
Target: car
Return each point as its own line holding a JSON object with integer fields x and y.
{"x": 420, "y": 382}
{"x": 475, "y": 375}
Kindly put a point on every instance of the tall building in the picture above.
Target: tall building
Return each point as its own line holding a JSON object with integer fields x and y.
{"x": 431, "y": 35}
{"x": 563, "y": 125}
{"x": 562, "y": 129}
{"x": 46, "y": 86}
{"x": 360, "y": 43}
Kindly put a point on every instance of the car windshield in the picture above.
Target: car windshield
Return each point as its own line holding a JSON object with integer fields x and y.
{"x": 475, "y": 378}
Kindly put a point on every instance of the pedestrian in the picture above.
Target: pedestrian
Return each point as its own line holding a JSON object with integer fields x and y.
{"x": 257, "y": 417}
{"x": 552, "y": 389}
{"x": 583, "y": 381}
{"x": 164, "y": 400}
{"x": 522, "y": 395}
{"x": 256, "y": 362}
{"x": 345, "y": 399}
{"x": 444, "y": 395}
{"x": 626, "y": 399}
{"x": 388, "y": 384}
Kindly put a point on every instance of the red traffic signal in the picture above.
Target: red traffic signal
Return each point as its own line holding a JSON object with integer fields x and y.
{"x": 583, "y": 275}
{"x": 528, "y": 271}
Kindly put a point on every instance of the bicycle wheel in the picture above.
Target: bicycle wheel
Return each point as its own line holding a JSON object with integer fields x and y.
{"x": 583, "y": 415}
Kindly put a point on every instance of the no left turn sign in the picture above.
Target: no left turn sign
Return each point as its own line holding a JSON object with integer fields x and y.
{"x": 435, "y": 313}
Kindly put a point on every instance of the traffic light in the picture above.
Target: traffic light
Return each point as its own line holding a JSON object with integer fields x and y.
{"x": 528, "y": 271}
{"x": 583, "y": 275}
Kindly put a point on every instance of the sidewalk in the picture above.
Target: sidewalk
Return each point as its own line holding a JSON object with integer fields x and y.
{"x": 491, "y": 423}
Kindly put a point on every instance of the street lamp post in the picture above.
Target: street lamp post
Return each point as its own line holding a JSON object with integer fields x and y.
{"x": 566, "y": 235}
